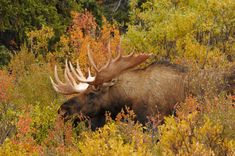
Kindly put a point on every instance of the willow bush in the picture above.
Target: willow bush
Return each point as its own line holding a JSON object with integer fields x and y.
{"x": 192, "y": 29}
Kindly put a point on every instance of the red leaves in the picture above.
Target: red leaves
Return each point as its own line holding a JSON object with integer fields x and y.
{"x": 23, "y": 125}
{"x": 6, "y": 83}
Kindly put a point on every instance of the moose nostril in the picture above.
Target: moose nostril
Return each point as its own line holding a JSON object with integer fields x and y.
{"x": 62, "y": 113}
{"x": 59, "y": 110}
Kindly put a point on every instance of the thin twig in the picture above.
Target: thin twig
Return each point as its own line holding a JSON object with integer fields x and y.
{"x": 119, "y": 3}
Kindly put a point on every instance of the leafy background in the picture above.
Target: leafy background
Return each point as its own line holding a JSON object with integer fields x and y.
{"x": 35, "y": 35}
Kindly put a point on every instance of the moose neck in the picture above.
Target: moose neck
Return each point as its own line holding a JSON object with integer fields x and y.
{"x": 122, "y": 94}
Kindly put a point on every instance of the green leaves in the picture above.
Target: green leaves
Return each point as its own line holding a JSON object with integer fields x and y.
{"x": 28, "y": 15}
{"x": 163, "y": 23}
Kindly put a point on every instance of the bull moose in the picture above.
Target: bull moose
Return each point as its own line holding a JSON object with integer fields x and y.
{"x": 148, "y": 91}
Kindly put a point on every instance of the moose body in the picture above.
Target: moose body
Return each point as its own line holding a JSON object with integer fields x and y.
{"x": 151, "y": 91}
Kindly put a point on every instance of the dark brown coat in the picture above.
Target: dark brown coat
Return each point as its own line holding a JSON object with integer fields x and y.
{"x": 149, "y": 91}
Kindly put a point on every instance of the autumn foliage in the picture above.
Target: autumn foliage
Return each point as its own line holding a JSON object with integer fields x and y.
{"x": 6, "y": 83}
{"x": 194, "y": 34}
{"x": 84, "y": 32}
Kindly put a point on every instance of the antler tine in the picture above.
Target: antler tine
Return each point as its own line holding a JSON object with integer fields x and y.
{"x": 79, "y": 70}
{"x": 80, "y": 78}
{"x": 109, "y": 57}
{"x": 130, "y": 55}
{"x": 57, "y": 77}
{"x": 109, "y": 53}
{"x": 70, "y": 86}
{"x": 119, "y": 52}
{"x": 66, "y": 73}
{"x": 75, "y": 73}
{"x": 119, "y": 56}
{"x": 89, "y": 72}
{"x": 119, "y": 49}
{"x": 58, "y": 88}
{"x": 81, "y": 86}
{"x": 91, "y": 59}
{"x": 89, "y": 75}
{"x": 55, "y": 86}
{"x": 69, "y": 76}
{"x": 63, "y": 88}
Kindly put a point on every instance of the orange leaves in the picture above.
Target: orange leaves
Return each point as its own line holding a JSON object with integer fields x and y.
{"x": 99, "y": 45}
{"x": 83, "y": 21}
{"x": 23, "y": 125}
{"x": 84, "y": 31}
{"x": 83, "y": 26}
{"x": 60, "y": 135}
{"x": 60, "y": 138}
{"x": 191, "y": 105}
{"x": 6, "y": 83}
{"x": 23, "y": 138}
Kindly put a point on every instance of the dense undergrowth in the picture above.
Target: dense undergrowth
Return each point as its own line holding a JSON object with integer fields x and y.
{"x": 197, "y": 36}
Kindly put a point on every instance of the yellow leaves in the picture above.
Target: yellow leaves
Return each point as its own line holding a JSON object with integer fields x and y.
{"x": 9, "y": 149}
{"x": 194, "y": 133}
{"x": 210, "y": 130}
{"x": 23, "y": 142}
{"x": 117, "y": 138}
{"x": 196, "y": 31}
{"x": 193, "y": 51}
{"x": 191, "y": 29}
{"x": 99, "y": 45}
{"x": 188, "y": 137}
{"x": 38, "y": 40}
{"x": 109, "y": 141}
{"x": 180, "y": 23}
{"x": 22, "y": 62}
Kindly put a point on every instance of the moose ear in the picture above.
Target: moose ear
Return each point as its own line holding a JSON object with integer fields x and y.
{"x": 103, "y": 87}
{"x": 110, "y": 83}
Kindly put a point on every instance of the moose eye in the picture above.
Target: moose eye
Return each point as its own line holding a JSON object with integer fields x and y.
{"x": 91, "y": 95}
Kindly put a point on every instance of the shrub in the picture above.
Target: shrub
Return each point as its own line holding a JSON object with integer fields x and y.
{"x": 6, "y": 83}
{"x": 109, "y": 141}
{"x": 8, "y": 118}
{"x": 189, "y": 137}
{"x": 220, "y": 109}
{"x": 4, "y": 56}
{"x": 32, "y": 85}
{"x": 38, "y": 42}
{"x": 84, "y": 31}
{"x": 8, "y": 111}
{"x": 194, "y": 30}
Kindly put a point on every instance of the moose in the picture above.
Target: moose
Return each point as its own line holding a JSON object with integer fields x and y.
{"x": 148, "y": 91}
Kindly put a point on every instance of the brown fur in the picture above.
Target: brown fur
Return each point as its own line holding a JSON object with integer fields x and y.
{"x": 149, "y": 91}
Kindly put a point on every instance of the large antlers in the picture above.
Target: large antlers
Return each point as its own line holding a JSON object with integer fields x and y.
{"x": 115, "y": 66}
{"x": 111, "y": 69}
{"x": 70, "y": 86}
